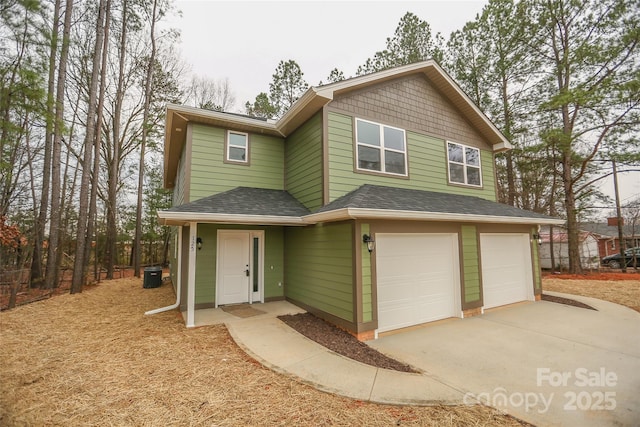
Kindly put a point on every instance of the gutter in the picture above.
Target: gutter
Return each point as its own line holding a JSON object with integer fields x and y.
{"x": 178, "y": 288}
{"x": 353, "y": 213}
{"x": 178, "y": 218}
{"x": 169, "y": 307}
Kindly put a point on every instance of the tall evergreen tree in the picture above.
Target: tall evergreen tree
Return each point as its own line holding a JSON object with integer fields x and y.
{"x": 412, "y": 42}
{"x": 287, "y": 86}
{"x": 590, "y": 96}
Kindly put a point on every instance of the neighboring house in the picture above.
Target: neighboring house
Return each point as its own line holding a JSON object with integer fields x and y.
{"x": 370, "y": 203}
{"x": 588, "y": 247}
{"x": 608, "y": 237}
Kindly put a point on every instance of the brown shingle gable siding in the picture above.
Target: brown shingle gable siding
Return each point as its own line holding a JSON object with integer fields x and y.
{"x": 412, "y": 103}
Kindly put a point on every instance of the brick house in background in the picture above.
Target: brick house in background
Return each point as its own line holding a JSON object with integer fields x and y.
{"x": 608, "y": 240}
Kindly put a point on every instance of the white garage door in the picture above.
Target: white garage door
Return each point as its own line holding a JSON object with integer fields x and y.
{"x": 506, "y": 268}
{"x": 418, "y": 278}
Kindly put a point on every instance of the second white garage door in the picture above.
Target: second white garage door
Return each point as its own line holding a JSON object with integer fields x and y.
{"x": 506, "y": 268}
{"x": 418, "y": 278}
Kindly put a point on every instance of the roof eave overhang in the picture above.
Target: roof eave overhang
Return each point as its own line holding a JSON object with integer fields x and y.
{"x": 184, "y": 218}
{"x": 383, "y": 214}
{"x": 303, "y": 109}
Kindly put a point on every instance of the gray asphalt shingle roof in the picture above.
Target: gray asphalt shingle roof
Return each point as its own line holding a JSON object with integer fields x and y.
{"x": 400, "y": 199}
{"x": 247, "y": 201}
{"x": 609, "y": 230}
{"x": 243, "y": 201}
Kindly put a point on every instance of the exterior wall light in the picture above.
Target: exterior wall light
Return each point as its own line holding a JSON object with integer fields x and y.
{"x": 537, "y": 238}
{"x": 371, "y": 244}
{"x": 199, "y": 243}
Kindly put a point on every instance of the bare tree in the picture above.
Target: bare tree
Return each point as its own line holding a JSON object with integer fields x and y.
{"x": 79, "y": 267}
{"x": 39, "y": 226}
{"x": 145, "y": 127}
{"x": 95, "y": 177}
{"x": 210, "y": 94}
{"x": 51, "y": 277}
{"x": 114, "y": 165}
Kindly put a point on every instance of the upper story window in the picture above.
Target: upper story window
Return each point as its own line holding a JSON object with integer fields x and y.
{"x": 237, "y": 147}
{"x": 464, "y": 164}
{"x": 380, "y": 148}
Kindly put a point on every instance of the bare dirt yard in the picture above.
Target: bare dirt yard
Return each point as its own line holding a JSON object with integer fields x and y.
{"x": 95, "y": 359}
{"x": 619, "y": 288}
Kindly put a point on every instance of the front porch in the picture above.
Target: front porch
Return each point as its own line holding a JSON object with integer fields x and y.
{"x": 225, "y": 314}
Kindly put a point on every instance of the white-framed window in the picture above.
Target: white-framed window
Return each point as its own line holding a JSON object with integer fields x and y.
{"x": 380, "y": 148}
{"x": 464, "y": 164}
{"x": 237, "y": 147}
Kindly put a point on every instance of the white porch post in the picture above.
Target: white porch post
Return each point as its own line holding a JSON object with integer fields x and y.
{"x": 179, "y": 251}
{"x": 191, "y": 281}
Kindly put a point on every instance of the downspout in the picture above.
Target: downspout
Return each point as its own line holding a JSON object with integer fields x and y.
{"x": 179, "y": 275}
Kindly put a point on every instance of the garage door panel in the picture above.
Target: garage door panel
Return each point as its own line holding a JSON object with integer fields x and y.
{"x": 416, "y": 277}
{"x": 506, "y": 268}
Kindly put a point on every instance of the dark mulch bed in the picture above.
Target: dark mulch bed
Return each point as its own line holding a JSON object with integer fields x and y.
{"x": 566, "y": 301}
{"x": 341, "y": 342}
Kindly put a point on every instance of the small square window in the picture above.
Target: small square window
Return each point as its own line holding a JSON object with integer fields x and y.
{"x": 237, "y": 147}
{"x": 464, "y": 164}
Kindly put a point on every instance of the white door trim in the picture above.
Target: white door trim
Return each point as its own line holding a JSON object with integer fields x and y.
{"x": 252, "y": 297}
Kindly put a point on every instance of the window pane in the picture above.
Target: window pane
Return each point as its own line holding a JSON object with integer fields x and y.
{"x": 455, "y": 153}
{"x": 368, "y": 158}
{"x": 394, "y": 162}
{"x": 473, "y": 156}
{"x": 456, "y": 173}
{"x": 237, "y": 139}
{"x": 237, "y": 154}
{"x": 368, "y": 133}
{"x": 473, "y": 175}
{"x": 393, "y": 138}
{"x": 256, "y": 254}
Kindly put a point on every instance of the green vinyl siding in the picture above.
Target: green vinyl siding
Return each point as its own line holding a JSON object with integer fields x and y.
{"x": 206, "y": 260}
{"x": 427, "y": 162}
{"x": 174, "y": 247}
{"x": 367, "y": 306}
{"x": 179, "y": 187}
{"x": 535, "y": 253}
{"x": 470, "y": 264}
{"x": 211, "y": 175}
{"x": 319, "y": 268}
{"x": 303, "y": 160}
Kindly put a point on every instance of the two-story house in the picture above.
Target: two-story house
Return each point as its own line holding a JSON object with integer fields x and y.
{"x": 370, "y": 203}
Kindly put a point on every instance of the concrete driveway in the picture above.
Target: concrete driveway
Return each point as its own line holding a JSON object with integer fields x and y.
{"x": 543, "y": 362}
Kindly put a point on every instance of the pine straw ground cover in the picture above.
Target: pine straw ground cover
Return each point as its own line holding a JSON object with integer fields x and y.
{"x": 619, "y": 288}
{"x": 95, "y": 359}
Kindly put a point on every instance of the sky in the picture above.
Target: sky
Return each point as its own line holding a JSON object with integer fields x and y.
{"x": 245, "y": 40}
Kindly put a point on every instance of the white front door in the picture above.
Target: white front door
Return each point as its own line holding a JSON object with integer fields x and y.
{"x": 239, "y": 267}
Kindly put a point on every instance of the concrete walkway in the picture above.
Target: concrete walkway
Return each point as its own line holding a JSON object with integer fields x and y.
{"x": 514, "y": 353}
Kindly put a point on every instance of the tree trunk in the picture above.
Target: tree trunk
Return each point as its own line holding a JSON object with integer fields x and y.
{"x": 506, "y": 116}
{"x": 91, "y": 226}
{"x": 80, "y": 264}
{"x": 112, "y": 192}
{"x": 143, "y": 143}
{"x": 575, "y": 266}
{"x": 53, "y": 255}
{"x": 36, "y": 264}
